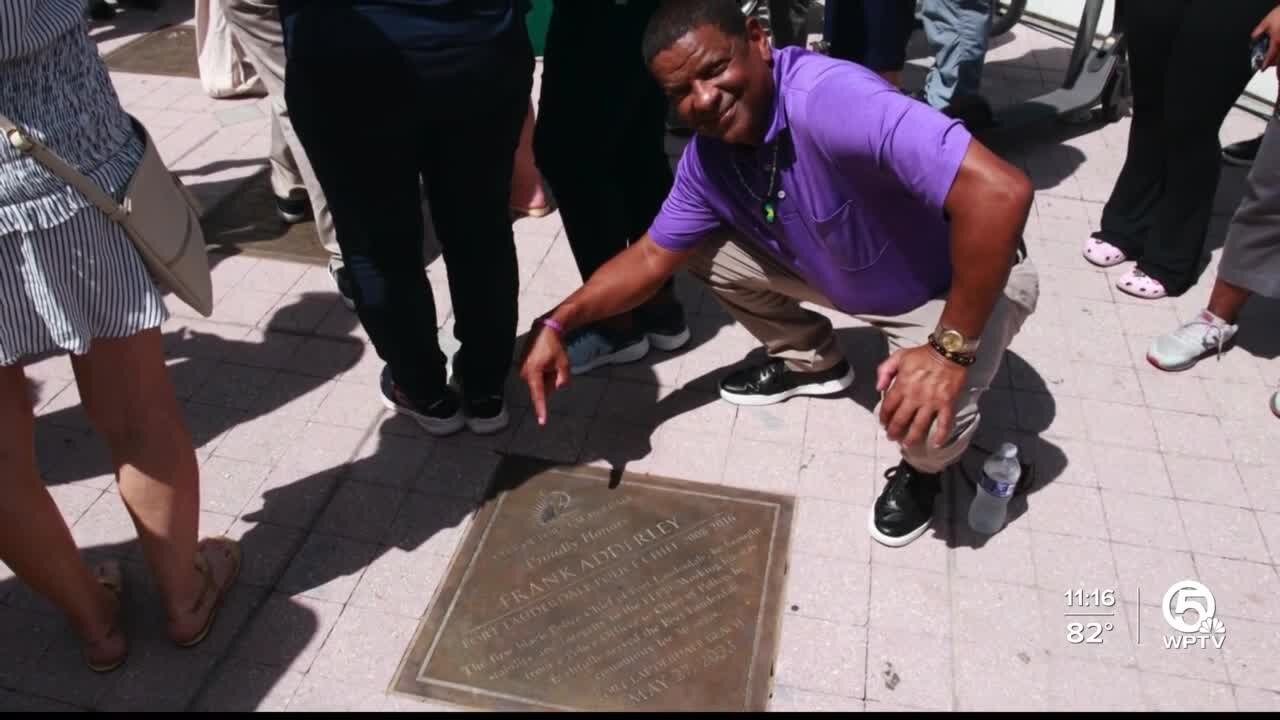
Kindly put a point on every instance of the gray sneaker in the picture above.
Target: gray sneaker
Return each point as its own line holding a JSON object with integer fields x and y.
{"x": 1181, "y": 349}
{"x": 592, "y": 347}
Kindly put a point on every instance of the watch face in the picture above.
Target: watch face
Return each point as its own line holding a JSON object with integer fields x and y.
{"x": 951, "y": 340}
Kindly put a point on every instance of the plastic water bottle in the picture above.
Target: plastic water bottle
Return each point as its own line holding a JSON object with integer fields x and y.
{"x": 1000, "y": 475}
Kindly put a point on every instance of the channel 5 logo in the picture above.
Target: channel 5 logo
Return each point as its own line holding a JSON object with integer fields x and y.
{"x": 1190, "y": 609}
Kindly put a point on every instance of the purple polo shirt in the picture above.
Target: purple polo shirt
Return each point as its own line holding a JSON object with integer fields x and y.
{"x": 863, "y": 173}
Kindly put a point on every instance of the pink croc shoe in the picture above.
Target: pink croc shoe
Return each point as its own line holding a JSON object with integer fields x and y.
{"x": 1103, "y": 253}
{"x": 1139, "y": 284}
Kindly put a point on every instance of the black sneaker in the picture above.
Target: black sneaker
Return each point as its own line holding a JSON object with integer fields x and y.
{"x": 904, "y": 509}
{"x": 342, "y": 278}
{"x": 664, "y": 325}
{"x": 295, "y": 208}
{"x": 486, "y": 415}
{"x": 1241, "y": 154}
{"x": 101, "y": 10}
{"x": 440, "y": 417}
{"x": 773, "y": 382}
{"x": 973, "y": 110}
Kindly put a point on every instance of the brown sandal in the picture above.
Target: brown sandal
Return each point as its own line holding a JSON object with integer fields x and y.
{"x": 231, "y": 548}
{"x": 109, "y": 575}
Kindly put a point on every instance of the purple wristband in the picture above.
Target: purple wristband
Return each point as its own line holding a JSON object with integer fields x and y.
{"x": 551, "y": 323}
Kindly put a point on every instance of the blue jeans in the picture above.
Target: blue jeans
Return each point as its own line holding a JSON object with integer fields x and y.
{"x": 957, "y": 32}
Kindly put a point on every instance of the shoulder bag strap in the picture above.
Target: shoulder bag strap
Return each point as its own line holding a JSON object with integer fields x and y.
{"x": 91, "y": 190}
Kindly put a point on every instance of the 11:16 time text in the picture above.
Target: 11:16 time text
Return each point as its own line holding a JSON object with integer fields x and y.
{"x": 1090, "y": 598}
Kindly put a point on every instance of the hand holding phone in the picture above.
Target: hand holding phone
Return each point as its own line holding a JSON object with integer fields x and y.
{"x": 1258, "y": 54}
{"x": 1265, "y": 44}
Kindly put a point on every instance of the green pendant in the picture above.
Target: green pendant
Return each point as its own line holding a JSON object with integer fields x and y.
{"x": 769, "y": 214}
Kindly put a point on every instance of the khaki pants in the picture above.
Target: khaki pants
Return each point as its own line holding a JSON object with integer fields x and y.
{"x": 256, "y": 24}
{"x": 764, "y": 296}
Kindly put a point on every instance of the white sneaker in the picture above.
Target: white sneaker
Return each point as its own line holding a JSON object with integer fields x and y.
{"x": 1184, "y": 347}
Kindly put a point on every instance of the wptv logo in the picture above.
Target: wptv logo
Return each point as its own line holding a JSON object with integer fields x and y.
{"x": 1190, "y": 609}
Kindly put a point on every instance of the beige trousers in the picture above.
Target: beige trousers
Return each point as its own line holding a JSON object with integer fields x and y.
{"x": 256, "y": 24}
{"x": 765, "y": 296}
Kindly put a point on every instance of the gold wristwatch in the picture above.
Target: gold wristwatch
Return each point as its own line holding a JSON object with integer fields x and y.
{"x": 954, "y": 345}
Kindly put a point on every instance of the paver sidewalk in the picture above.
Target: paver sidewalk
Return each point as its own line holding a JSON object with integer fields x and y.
{"x": 349, "y": 517}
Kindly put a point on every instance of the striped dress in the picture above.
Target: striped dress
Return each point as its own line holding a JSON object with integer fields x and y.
{"x": 68, "y": 274}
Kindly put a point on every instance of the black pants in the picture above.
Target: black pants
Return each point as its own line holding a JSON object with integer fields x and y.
{"x": 601, "y": 126}
{"x": 373, "y": 123}
{"x": 789, "y": 22}
{"x": 872, "y": 33}
{"x": 1190, "y": 61}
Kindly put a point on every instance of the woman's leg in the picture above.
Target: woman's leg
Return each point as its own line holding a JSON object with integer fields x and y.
{"x": 1131, "y": 210}
{"x": 888, "y": 25}
{"x": 527, "y": 194}
{"x": 467, "y": 176}
{"x": 376, "y": 197}
{"x": 844, "y": 26}
{"x": 34, "y": 539}
{"x": 127, "y": 395}
{"x": 1207, "y": 72}
{"x": 1227, "y": 300}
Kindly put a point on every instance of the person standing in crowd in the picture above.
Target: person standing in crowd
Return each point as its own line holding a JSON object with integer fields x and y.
{"x": 958, "y": 32}
{"x": 1189, "y": 62}
{"x": 385, "y": 94}
{"x": 71, "y": 282}
{"x": 528, "y": 197}
{"x": 600, "y": 143}
{"x": 256, "y": 24}
{"x": 872, "y": 33}
{"x": 1250, "y": 259}
{"x": 811, "y": 180}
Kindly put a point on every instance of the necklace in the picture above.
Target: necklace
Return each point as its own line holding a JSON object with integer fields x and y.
{"x": 766, "y": 203}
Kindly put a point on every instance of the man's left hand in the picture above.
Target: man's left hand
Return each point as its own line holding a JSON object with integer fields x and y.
{"x": 921, "y": 387}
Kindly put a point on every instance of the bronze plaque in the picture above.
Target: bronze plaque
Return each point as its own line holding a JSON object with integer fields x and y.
{"x": 572, "y": 593}
{"x": 246, "y": 222}
{"x": 169, "y": 51}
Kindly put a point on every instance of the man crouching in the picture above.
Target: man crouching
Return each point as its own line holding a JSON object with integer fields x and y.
{"x": 813, "y": 180}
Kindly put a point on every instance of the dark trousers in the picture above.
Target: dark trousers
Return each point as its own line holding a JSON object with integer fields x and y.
{"x": 789, "y": 22}
{"x": 373, "y": 123}
{"x": 872, "y": 33}
{"x": 1190, "y": 61}
{"x": 601, "y": 126}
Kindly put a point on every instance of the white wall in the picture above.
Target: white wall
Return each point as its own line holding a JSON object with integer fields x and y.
{"x": 1262, "y": 87}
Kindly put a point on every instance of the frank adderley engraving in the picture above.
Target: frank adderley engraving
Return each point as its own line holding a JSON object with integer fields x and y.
{"x": 569, "y": 594}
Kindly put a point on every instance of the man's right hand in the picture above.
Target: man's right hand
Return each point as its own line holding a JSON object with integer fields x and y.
{"x": 627, "y": 280}
{"x": 544, "y": 367}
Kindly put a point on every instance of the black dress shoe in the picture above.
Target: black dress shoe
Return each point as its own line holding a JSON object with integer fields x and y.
{"x": 904, "y": 509}
{"x": 773, "y": 382}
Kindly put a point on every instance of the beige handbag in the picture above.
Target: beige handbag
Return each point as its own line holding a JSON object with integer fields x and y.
{"x": 158, "y": 213}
